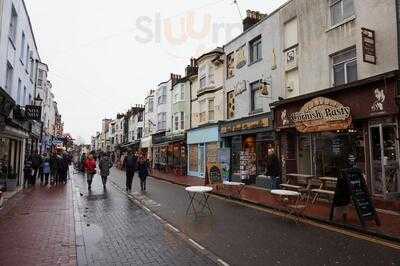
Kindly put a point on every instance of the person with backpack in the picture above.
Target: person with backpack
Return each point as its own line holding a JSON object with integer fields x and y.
{"x": 130, "y": 163}
{"x": 104, "y": 165}
{"x": 90, "y": 168}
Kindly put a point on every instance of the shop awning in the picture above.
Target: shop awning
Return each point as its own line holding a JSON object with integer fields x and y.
{"x": 145, "y": 142}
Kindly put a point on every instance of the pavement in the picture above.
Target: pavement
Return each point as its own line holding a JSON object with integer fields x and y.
{"x": 68, "y": 225}
{"x": 246, "y": 235}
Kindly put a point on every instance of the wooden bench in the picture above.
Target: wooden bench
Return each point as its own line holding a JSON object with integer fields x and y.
{"x": 323, "y": 189}
{"x": 289, "y": 186}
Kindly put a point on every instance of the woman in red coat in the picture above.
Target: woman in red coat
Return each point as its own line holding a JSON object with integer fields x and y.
{"x": 90, "y": 168}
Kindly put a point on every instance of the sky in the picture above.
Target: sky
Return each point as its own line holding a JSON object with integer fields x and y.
{"x": 105, "y": 55}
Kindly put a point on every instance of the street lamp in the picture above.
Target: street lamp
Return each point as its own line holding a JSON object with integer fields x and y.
{"x": 38, "y": 100}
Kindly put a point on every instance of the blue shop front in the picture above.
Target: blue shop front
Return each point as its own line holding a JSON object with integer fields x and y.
{"x": 203, "y": 147}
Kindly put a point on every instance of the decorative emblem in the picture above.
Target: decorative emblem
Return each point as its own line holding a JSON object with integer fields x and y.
{"x": 380, "y": 97}
{"x": 285, "y": 120}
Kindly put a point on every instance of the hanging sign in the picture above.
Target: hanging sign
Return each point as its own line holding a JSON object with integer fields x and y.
{"x": 33, "y": 112}
{"x": 322, "y": 114}
{"x": 368, "y": 45}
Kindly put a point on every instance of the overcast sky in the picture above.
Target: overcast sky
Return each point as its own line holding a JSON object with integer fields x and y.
{"x": 105, "y": 55}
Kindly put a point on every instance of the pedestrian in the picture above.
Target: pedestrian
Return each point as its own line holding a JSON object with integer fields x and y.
{"x": 90, "y": 168}
{"x": 28, "y": 173}
{"x": 46, "y": 170}
{"x": 63, "y": 165}
{"x": 54, "y": 168}
{"x": 143, "y": 168}
{"x": 273, "y": 169}
{"x": 130, "y": 168}
{"x": 36, "y": 160}
{"x": 104, "y": 165}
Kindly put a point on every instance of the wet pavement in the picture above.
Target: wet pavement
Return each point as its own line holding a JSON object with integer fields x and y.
{"x": 113, "y": 230}
{"x": 246, "y": 236}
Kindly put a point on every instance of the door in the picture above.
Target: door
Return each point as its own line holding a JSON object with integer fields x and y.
{"x": 202, "y": 160}
{"x": 384, "y": 149}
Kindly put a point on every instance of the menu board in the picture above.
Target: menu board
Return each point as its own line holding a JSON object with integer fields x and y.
{"x": 214, "y": 173}
{"x": 247, "y": 164}
{"x": 225, "y": 162}
{"x": 355, "y": 186}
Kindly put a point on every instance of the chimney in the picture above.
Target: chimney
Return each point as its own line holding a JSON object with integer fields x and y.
{"x": 174, "y": 78}
{"x": 191, "y": 69}
{"x": 252, "y": 18}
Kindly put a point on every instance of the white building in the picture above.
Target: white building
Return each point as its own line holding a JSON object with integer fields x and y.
{"x": 18, "y": 54}
{"x": 149, "y": 124}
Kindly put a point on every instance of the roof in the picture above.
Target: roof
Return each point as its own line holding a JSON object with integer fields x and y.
{"x": 218, "y": 50}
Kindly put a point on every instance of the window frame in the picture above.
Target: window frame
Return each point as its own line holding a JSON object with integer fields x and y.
{"x": 254, "y": 88}
{"x": 332, "y": 3}
{"x": 12, "y": 32}
{"x": 211, "y": 110}
{"x": 255, "y": 42}
{"x": 345, "y": 63}
{"x": 229, "y": 56}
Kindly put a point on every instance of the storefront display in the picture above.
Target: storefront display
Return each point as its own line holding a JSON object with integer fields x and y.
{"x": 317, "y": 133}
{"x": 248, "y": 140}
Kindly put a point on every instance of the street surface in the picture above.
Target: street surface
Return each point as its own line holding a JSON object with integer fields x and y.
{"x": 68, "y": 225}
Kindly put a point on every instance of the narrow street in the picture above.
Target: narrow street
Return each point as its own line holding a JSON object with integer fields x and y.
{"x": 67, "y": 225}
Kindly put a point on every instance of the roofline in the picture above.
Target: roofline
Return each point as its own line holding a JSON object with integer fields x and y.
{"x": 259, "y": 22}
{"x": 31, "y": 28}
{"x": 210, "y": 53}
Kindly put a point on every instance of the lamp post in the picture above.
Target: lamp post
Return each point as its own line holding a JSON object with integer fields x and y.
{"x": 38, "y": 102}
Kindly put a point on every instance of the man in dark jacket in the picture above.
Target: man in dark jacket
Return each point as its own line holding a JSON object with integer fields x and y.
{"x": 274, "y": 169}
{"x": 104, "y": 165}
{"x": 36, "y": 160}
{"x": 130, "y": 168}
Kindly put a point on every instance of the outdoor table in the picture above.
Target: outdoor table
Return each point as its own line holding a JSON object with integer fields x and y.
{"x": 200, "y": 195}
{"x": 239, "y": 186}
{"x": 283, "y": 198}
{"x": 323, "y": 187}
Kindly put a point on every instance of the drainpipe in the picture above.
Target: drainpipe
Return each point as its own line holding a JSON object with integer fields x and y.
{"x": 190, "y": 105}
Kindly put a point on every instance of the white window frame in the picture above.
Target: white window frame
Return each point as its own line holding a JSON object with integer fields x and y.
{"x": 12, "y": 34}
{"x": 254, "y": 58}
{"x": 335, "y": 2}
{"x": 9, "y": 78}
{"x": 211, "y": 109}
{"x": 345, "y": 62}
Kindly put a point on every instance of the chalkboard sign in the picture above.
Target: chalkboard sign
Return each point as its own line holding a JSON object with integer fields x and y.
{"x": 214, "y": 173}
{"x": 353, "y": 185}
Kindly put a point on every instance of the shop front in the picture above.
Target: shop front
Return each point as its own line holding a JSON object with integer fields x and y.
{"x": 145, "y": 148}
{"x": 319, "y": 132}
{"x": 248, "y": 140}
{"x": 35, "y": 135}
{"x": 203, "y": 146}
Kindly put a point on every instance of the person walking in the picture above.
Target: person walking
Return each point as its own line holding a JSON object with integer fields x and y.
{"x": 90, "y": 168}
{"x": 274, "y": 169}
{"x": 130, "y": 168}
{"x": 45, "y": 171}
{"x": 104, "y": 165}
{"x": 62, "y": 166}
{"x": 54, "y": 168}
{"x": 36, "y": 160}
{"x": 143, "y": 168}
{"x": 28, "y": 173}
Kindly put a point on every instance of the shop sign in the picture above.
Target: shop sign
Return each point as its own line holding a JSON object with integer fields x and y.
{"x": 214, "y": 173}
{"x": 240, "y": 57}
{"x": 243, "y": 125}
{"x": 36, "y": 128}
{"x": 240, "y": 87}
{"x": 368, "y": 45}
{"x": 320, "y": 114}
{"x": 33, "y": 112}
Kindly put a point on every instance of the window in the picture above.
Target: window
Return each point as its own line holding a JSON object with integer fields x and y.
{"x": 32, "y": 65}
{"x": 211, "y": 70}
{"x": 203, "y": 111}
{"x": 344, "y": 67}
{"x": 255, "y": 50}
{"x": 24, "y": 97}
{"x": 291, "y": 33}
{"x": 162, "y": 121}
{"x": 176, "y": 121}
{"x": 340, "y": 10}
{"x": 13, "y": 24}
{"x": 230, "y": 104}
{"x": 162, "y": 98}
{"x": 9, "y": 78}
{"x": 256, "y": 99}
{"x": 203, "y": 82}
{"x": 179, "y": 93}
{"x": 139, "y": 133}
{"x": 30, "y": 99}
{"x": 210, "y": 109}
{"x": 151, "y": 105}
{"x": 182, "y": 92}
{"x": 230, "y": 65}
{"x": 182, "y": 120}
{"x": 140, "y": 117}
{"x": 19, "y": 92}
{"x": 27, "y": 58}
{"x": 21, "y": 56}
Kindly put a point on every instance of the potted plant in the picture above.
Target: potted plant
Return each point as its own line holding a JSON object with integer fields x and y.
{"x": 11, "y": 181}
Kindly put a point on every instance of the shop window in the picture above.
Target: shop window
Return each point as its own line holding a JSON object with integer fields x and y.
{"x": 345, "y": 67}
{"x": 211, "y": 110}
{"x": 256, "y": 97}
{"x": 230, "y": 65}
{"x": 340, "y": 10}
{"x": 255, "y": 50}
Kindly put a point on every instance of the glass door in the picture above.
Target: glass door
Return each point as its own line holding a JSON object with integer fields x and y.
{"x": 202, "y": 159}
{"x": 384, "y": 148}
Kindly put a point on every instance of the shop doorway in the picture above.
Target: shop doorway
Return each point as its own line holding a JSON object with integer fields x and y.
{"x": 384, "y": 153}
